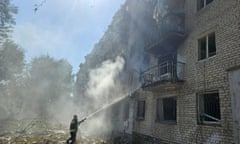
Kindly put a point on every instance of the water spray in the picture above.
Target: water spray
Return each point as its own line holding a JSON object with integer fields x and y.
{"x": 112, "y": 103}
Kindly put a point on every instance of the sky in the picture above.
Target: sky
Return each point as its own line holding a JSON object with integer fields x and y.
{"x": 62, "y": 29}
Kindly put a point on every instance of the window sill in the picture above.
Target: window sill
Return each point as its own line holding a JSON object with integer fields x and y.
{"x": 210, "y": 123}
{"x": 165, "y": 122}
{"x": 206, "y": 59}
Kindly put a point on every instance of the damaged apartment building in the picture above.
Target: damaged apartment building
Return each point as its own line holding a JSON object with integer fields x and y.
{"x": 190, "y": 92}
{"x": 186, "y": 54}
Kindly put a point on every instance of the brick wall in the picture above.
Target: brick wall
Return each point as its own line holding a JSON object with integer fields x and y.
{"x": 222, "y": 17}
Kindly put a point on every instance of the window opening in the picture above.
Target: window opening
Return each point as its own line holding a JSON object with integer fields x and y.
{"x": 167, "y": 109}
{"x": 207, "y": 46}
{"x": 209, "y": 108}
{"x": 140, "y": 109}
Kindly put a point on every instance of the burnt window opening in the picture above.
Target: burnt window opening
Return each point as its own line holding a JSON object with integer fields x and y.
{"x": 202, "y": 4}
{"x": 207, "y": 46}
{"x": 209, "y": 108}
{"x": 141, "y": 110}
{"x": 167, "y": 110}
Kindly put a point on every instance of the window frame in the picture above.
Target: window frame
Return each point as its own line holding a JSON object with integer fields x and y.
{"x": 200, "y": 109}
{"x": 160, "y": 116}
{"x": 206, "y": 37}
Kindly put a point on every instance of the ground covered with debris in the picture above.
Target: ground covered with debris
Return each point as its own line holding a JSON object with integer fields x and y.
{"x": 47, "y": 138}
{"x": 36, "y": 131}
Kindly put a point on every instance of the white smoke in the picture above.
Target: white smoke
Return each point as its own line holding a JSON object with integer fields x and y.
{"x": 103, "y": 80}
{"x": 103, "y": 88}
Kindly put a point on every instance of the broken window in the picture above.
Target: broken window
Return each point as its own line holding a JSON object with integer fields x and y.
{"x": 207, "y": 46}
{"x": 141, "y": 109}
{"x": 167, "y": 110}
{"x": 209, "y": 108}
{"x": 202, "y": 3}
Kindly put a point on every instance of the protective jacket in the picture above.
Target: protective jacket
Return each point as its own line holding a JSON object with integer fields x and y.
{"x": 74, "y": 125}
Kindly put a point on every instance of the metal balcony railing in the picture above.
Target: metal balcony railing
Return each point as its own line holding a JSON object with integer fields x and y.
{"x": 166, "y": 71}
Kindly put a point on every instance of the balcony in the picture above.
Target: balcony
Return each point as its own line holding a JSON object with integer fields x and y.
{"x": 172, "y": 33}
{"x": 166, "y": 75}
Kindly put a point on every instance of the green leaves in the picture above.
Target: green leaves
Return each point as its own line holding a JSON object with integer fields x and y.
{"x": 7, "y": 11}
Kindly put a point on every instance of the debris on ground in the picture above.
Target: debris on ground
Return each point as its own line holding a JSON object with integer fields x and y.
{"x": 47, "y": 138}
{"x": 36, "y": 131}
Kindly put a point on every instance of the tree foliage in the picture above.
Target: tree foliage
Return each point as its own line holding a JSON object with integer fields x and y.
{"x": 49, "y": 80}
{"x": 7, "y": 11}
{"x": 11, "y": 70}
{"x": 11, "y": 60}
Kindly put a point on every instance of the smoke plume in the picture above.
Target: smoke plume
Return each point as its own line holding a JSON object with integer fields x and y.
{"x": 103, "y": 88}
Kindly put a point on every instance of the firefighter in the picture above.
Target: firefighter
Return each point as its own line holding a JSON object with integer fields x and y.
{"x": 74, "y": 128}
